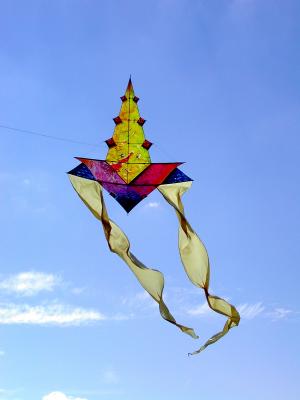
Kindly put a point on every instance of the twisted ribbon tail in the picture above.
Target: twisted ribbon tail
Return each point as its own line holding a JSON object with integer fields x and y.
{"x": 151, "y": 280}
{"x": 195, "y": 260}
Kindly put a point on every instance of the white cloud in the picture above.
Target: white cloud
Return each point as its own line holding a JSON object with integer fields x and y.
{"x": 29, "y": 283}
{"x": 8, "y": 394}
{"x": 78, "y": 290}
{"x": 202, "y": 309}
{"x": 152, "y": 204}
{"x": 246, "y": 310}
{"x": 52, "y": 314}
{"x": 250, "y": 311}
{"x": 141, "y": 300}
{"x": 143, "y": 297}
{"x": 122, "y": 317}
{"x": 61, "y": 396}
{"x": 280, "y": 313}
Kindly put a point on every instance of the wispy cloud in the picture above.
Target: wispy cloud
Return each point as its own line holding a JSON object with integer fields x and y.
{"x": 152, "y": 204}
{"x": 78, "y": 290}
{"x": 250, "y": 311}
{"x": 4, "y": 394}
{"x": 246, "y": 310}
{"x": 185, "y": 303}
{"x": 51, "y": 314}
{"x": 7, "y": 394}
{"x": 61, "y": 396}
{"x": 86, "y": 394}
{"x": 47, "y": 313}
{"x": 202, "y": 309}
{"x": 121, "y": 317}
{"x": 2, "y": 352}
{"x": 29, "y": 283}
{"x": 280, "y": 313}
{"x": 140, "y": 300}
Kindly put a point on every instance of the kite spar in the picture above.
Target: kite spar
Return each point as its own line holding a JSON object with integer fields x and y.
{"x": 129, "y": 176}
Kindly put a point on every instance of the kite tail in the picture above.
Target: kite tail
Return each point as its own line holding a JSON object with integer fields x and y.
{"x": 195, "y": 260}
{"x": 151, "y": 280}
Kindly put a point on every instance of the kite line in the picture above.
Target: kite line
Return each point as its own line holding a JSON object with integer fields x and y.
{"x": 68, "y": 140}
{"x": 46, "y": 136}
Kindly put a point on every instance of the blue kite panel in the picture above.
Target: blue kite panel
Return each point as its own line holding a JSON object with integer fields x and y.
{"x": 83, "y": 172}
{"x": 176, "y": 176}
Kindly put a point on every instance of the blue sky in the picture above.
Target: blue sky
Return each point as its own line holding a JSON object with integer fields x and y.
{"x": 218, "y": 83}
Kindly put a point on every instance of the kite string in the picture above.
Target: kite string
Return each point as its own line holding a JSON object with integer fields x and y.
{"x": 67, "y": 140}
{"x": 46, "y": 136}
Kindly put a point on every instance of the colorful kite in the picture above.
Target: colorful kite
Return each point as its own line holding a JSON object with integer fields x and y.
{"x": 129, "y": 176}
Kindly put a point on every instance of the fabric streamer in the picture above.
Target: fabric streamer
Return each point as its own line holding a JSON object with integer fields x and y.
{"x": 195, "y": 260}
{"x": 152, "y": 280}
{"x": 129, "y": 176}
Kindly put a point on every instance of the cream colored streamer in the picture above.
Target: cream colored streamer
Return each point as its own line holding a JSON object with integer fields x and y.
{"x": 152, "y": 280}
{"x": 195, "y": 260}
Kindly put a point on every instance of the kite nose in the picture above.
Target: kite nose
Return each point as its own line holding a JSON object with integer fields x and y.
{"x": 129, "y": 90}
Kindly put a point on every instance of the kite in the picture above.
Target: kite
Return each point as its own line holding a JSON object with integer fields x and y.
{"x": 129, "y": 176}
